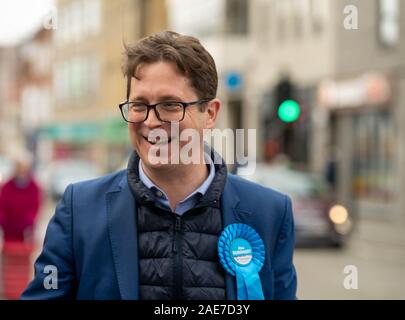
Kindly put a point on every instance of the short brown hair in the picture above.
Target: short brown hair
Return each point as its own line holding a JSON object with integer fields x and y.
{"x": 186, "y": 52}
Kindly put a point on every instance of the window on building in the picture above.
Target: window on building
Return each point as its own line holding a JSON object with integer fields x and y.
{"x": 68, "y": 21}
{"x": 77, "y": 77}
{"x": 301, "y": 12}
{"x": 318, "y": 15}
{"x": 388, "y": 22}
{"x": 60, "y": 35}
{"x": 93, "y": 79}
{"x": 374, "y": 170}
{"x": 282, "y": 12}
{"x": 92, "y": 14}
{"x": 262, "y": 22}
{"x": 58, "y": 82}
{"x": 76, "y": 22}
{"x": 237, "y": 16}
{"x": 199, "y": 18}
{"x": 61, "y": 81}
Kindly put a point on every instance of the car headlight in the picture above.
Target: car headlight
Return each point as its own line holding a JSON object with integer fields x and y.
{"x": 338, "y": 214}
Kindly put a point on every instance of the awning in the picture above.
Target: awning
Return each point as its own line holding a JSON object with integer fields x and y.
{"x": 111, "y": 131}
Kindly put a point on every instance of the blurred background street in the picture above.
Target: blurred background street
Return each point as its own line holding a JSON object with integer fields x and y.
{"x": 321, "y": 81}
{"x": 377, "y": 249}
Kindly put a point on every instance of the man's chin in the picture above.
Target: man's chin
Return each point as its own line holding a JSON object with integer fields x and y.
{"x": 157, "y": 162}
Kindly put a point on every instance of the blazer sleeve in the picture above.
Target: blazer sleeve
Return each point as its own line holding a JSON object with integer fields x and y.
{"x": 285, "y": 278}
{"x": 54, "y": 269}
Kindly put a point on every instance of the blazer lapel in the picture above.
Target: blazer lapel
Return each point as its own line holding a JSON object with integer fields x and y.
{"x": 122, "y": 226}
{"x": 231, "y": 214}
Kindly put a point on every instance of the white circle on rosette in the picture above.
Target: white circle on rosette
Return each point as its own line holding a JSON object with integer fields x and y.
{"x": 241, "y": 252}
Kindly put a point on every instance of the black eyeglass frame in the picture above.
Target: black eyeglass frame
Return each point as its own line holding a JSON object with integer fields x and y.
{"x": 153, "y": 106}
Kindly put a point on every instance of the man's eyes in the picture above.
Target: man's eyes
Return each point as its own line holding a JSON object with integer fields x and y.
{"x": 166, "y": 104}
{"x": 170, "y": 104}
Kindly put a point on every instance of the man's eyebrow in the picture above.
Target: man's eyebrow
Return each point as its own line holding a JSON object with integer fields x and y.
{"x": 138, "y": 98}
{"x": 170, "y": 97}
{"x": 160, "y": 99}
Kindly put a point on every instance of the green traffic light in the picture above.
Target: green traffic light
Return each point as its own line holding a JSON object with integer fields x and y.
{"x": 289, "y": 111}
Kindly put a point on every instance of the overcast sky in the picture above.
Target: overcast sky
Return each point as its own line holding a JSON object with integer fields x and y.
{"x": 20, "y": 18}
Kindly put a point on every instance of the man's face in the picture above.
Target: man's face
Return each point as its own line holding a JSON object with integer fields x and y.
{"x": 161, "y": 82}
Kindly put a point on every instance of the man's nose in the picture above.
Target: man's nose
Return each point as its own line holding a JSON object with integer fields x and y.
{"x": 152, "y": 121}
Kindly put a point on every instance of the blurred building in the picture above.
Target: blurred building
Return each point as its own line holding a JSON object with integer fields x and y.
{"x": 9, "y": 101}
{"x": 88, "y": 79}
{"x": 26, "y": 81}
{"x": 347, "y": 59}
{"x": 35, "y": 89}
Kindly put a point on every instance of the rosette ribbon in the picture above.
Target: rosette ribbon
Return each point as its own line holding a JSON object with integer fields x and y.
{"x": 241, "y": 252}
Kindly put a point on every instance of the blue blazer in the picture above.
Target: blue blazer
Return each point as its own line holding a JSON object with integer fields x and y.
{"x": 92, "y": 241}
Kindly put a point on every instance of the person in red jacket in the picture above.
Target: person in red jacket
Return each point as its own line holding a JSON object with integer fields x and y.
{"x": 20, "y": 202}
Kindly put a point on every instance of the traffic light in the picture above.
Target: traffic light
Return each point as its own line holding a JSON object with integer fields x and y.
{"x": 289, "y": 111}
{"x": 286, "y": 121}
{"x": 288, "y": 108}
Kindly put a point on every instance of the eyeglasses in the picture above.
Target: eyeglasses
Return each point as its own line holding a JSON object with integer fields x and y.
{"x": 171, "y": 111}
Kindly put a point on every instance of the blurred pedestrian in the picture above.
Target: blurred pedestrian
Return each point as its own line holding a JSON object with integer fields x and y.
{"x": 20, "y": 202}
{"x": 331, "y": 168}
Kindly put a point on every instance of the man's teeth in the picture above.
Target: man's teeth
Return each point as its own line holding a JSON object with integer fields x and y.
{"x": 158, "y": 141}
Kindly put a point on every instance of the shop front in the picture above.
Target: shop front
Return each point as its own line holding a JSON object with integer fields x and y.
{"x": 105, "y": 143}
{"x": 363, "y": 132}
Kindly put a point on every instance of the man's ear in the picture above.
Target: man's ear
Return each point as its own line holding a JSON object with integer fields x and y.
{"x": 212, "y": 110}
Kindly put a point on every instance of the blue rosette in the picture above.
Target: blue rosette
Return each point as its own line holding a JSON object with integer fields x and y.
{"x": 241, "y": 253}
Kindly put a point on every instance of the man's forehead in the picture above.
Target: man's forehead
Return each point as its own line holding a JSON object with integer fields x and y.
{"x": 159, "y": 81}
{"x": 157, "y": 68}
{"x": 138, "y": 87}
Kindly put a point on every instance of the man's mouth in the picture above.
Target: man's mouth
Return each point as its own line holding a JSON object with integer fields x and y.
{"x": 157, "y": 141}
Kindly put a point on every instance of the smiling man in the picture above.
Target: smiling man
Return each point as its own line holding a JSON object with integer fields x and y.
{"x": 166, "y": 228}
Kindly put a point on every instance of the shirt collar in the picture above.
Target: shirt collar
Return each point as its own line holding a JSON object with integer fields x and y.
{"x": 202, "y": 189}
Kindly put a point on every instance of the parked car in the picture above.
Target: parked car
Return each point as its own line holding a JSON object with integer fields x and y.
{"x": 318, "y": 217}
{"x": 65, "y": 172}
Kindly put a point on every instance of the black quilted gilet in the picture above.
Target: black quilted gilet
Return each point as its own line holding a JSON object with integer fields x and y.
{"x": 178, "y": 256}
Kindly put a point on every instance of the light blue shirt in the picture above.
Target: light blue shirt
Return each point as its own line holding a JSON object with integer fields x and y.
{"x": 191, "y": 200}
